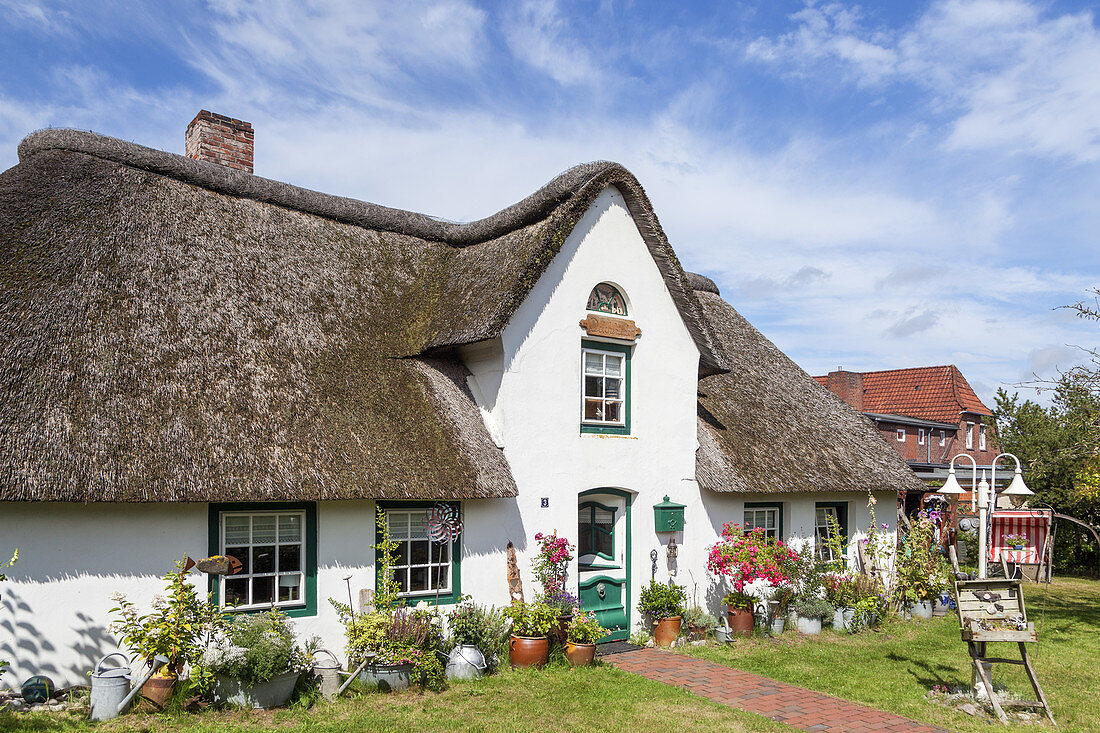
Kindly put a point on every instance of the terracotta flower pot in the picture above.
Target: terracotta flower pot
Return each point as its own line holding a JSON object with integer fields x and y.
{"x": 667, "y": 631}
{"x": 580, "y": 655}
{"x": 157, "y": 691}
{"x": 740, "y": 620}
{"x": 528, "y": 651}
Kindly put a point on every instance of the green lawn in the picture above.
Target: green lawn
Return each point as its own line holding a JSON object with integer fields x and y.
{"x": 555, "y": 699}
{"x": 893, "y": 669}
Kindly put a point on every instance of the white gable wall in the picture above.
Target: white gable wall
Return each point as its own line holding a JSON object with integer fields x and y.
{"x": 530, "y": 390}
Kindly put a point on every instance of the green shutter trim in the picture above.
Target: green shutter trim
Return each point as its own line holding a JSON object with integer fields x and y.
{"x": 770, "y": 505}
{"x": 445, "y": 599}
{"x": 214, "y": 534}
{"x": 623, "y": 429}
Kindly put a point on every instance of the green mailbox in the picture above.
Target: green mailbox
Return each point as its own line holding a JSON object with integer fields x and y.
{"x": 668, "y": 516}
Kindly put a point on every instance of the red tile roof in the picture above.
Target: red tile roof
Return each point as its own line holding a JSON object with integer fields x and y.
{"x": 937, "y": 393}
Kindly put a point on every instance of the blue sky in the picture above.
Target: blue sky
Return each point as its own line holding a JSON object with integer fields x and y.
{"x": 873, "y": 186}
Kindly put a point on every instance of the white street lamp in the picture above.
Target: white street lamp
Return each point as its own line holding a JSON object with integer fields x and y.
{"x": 985, "y": 494}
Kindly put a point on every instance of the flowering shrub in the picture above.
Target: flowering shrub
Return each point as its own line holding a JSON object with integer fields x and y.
{"x": 402, "y": 636}
{"x": 583, "y": 628}
{"x": 746, "y": 557}
{"x": 255, "y": 649}
{"x": 878, "y": 545}
{"x": 552, "y": 562}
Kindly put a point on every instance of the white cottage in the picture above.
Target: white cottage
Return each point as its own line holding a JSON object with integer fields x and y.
{"x": 197, "y": 360}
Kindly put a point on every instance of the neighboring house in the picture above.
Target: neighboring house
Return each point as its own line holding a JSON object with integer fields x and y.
{"x": 197, "y": 360}
{"x": 927, "y": 414}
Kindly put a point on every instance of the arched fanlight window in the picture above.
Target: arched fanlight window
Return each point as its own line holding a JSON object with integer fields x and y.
{"x": 605, "y": 298}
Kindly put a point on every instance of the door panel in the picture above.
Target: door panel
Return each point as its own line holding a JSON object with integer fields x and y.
{"x": 603, "y": 523}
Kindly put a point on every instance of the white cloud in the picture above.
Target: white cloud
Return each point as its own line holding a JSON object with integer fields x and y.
{"x": 539, "y": 35}
{"x": 1010, "y": 77}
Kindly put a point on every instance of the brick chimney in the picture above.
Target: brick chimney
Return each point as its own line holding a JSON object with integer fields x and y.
{"x": 219, "y": 139}
{"x": 848, "y": 386}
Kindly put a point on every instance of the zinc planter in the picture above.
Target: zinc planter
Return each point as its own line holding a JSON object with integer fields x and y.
{"x": 842, "y": 618}
{"x": 922, "y": 609}
{"x": 386, "y": 677}
{"x": 741, "y": 620}
{"x": 271, "y": 694}
{"x": 528, "y": 651}
{"x": 811, "y": 626}
{"x": 722, "y": 634}
{"x": 580, "y": 655}
{"x": 667, "y": 631}
{"x": 777, "y": 625}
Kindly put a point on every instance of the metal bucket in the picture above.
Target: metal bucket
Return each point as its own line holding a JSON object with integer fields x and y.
{"x": 110, "y": 686}
{"x": 465, "y": 662}
{"x": 329, "y": 672}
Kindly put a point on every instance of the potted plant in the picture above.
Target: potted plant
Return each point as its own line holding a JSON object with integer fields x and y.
{"x": 841, "y": 590}
{"x": 1014, "y": 540}
{"x": 698, "y": 624}
{"x": 582, "y": 633}
{"x": 745, "y": 557}
{"x": 465, "y": 623}
{"x": 551, "y": 568}
{"x": 176, "y": 628}
{"x": 664, "y": 604}
{"x": 922, "y": 573}
{"x": 255, "y": 661}
{"x": 401, "y": 645}
{"x": 531, "y": 624}
{"x": 809, "y": 611}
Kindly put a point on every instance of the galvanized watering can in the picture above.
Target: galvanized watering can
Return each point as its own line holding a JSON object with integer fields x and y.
{"x": 330, "y": 673}
{"x": 465, "y": 662}
{"x": 111, "y": 692}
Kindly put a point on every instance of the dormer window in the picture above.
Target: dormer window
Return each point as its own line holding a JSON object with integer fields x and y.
{"x": 606, "y": 298}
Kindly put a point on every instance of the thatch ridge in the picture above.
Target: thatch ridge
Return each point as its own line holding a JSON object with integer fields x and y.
{"x": 558, "y": 204}
{"x": 768, "y": 427}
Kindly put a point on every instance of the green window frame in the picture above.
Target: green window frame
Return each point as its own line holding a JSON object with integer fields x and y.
{"x": 757, "y": 505}
{"x": 591, "y": 426}
{"x": 594, "y": 530}
{"x": 217, "y": 512}
{"x": 841, "y": 512}
{"x": 445, "y": 598}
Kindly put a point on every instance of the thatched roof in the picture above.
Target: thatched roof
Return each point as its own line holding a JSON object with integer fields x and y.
{"x": 173, "y": 330}
{"x": 767, "y": 426}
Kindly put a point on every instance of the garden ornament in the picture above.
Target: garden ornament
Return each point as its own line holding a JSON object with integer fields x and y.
{"x": 216, "y": 565}
{"x": 111, "y": 691}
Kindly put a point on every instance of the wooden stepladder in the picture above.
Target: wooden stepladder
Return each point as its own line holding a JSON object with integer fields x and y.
{"x": 993, "y": 610}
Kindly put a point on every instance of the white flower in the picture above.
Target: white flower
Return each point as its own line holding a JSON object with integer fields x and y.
{"x": 422, "y": 606}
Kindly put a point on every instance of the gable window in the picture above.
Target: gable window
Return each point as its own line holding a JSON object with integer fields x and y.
{"x": 970, "y": 436}
{"x": 605, "y": 399}
{"x": 596, "y": 532}
{"x": 901, "y": 435}
{"x": 422, "y": 567}
{"x": 943, "y": 438}
{"x": 276, "y": 545}
{"x": 768, "y": 517}
{"x": 920, "y": 436}
{"x": 981, "y": 437}
{"x": 825, "y": 514}
{"x": 606, "y": 298}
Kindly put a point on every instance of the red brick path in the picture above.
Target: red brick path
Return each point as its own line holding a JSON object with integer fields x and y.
{"x": 795, "y": 706}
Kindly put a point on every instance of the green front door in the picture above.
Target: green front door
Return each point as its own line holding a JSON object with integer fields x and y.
{"x": 603, "y": 554}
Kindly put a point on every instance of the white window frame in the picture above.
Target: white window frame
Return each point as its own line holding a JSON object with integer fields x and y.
{"x": 300, "y": 601}
{"x": 981, "y": 437}
{"x": 920, "y": 436}
{"x": 585, "y": 351}
{"x": 773, "y": 511}
{"x": 943, "y": 438}
{"x": 970, "y": 436}
{"x": 439, "y": 554}
{"x": 821, "y": 532}
{"x": 901, "y": 435}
